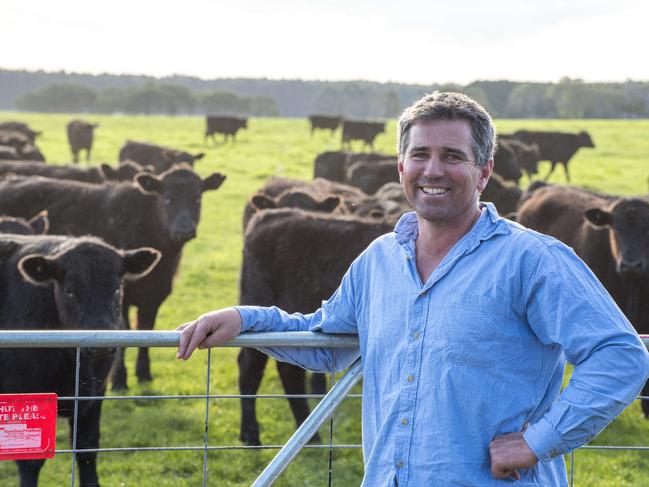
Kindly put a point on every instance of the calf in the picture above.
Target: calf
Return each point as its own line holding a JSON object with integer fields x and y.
{"x": 80, "y": 135}
{"x": 159, "y": 158}
{"x": 226, "y": 125}
{"x": 293, "y": 259}
{"x": 159, "y": 211}
{"x": 611, "y": 234}
{"x": 63, "y": 283}
{"x": 123, "y": 172}
{"x": 556, "y": 146}
{"x": 361, "y": 130}
{"x": 38, "y": 225}
{"x": 325, "y": 122}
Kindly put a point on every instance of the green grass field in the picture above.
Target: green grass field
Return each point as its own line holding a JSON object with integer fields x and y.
{"x": 208, "y": 279}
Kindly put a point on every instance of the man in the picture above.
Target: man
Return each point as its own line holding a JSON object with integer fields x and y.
{"x": 465, "y": 321}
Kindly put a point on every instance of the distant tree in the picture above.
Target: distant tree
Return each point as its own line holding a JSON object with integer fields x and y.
{"x": 58, "y": 98}
{"x": 391, "y": 105}
{"x": 112, "y": 100}
{"x": 530, "y": 100}
{"x": 264, "y": 106}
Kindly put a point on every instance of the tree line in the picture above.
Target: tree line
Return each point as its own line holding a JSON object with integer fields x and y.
{"x": 148, "y": 98}
{"x": 106, "y": 93}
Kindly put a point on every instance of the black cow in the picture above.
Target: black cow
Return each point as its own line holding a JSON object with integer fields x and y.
{"x": 20, "y": 127}
{"x": 361, "y": 130}
{"x": 332, "y": 164}
{"x": 25, "y": 150}
{"x": 80, "y": 135}
{"x": 154, "y": 211}
{"x": 317, "y": 248}
{"x": 503, "y": 194}
{"x": 100, "y": 174}
{"x": 224, "y": 124}
{"x": 611, "y": 234}
{"x": 37, "y": 225}
{"x": 506, "y": 162}
{"x": 369, "y": 176}
{"x": 325, "y": 122}
{"x": 159, "y": 158}
{"x": 8, "y": 153}
{"x": 63, "y": 283}
{"x": 556, "y": 146}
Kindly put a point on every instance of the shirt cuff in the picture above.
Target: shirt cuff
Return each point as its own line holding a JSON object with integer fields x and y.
{"x": 544, "y": 441}
{"x": 247, "y": 318}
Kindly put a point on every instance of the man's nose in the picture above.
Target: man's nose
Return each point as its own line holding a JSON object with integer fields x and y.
{"x": 434, "y": 167}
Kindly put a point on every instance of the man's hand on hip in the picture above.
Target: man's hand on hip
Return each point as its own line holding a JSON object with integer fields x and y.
{"x": 208, "y": 330}
{"x": 509, "y": 453}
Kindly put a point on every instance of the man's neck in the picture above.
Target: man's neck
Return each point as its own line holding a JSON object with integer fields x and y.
{"x": 435, "y": 240}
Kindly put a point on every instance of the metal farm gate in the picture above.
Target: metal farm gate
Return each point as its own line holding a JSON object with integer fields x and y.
{"x": 299, "y": 440}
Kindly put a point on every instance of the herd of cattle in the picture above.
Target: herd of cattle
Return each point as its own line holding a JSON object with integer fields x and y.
{"x": 79, "y": 246}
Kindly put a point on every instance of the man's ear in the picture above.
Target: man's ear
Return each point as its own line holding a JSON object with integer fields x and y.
{"x": 485, "y": 174}
{"x": 400, "y": 169}
{"x": 598, "y": 217}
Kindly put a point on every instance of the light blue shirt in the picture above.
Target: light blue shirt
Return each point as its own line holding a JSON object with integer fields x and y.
{"x": 475, "y": 352}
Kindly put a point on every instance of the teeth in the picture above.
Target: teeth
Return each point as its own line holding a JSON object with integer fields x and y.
{"x": 428, "y": 190}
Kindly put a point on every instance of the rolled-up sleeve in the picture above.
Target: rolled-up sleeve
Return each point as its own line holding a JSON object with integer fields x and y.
{"x": 337, "y": 315}
{"x": 568, "y": 307}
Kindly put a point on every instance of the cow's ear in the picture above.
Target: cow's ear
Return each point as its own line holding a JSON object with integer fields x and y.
{"x": 38, "y": 269}
{"x": 329, "y": 204}
{"x": 598, "y": 217}
{"x": 262, "y": 202}
{"x": 148, "y": 183}
{"x": 107, "y": 171}
{"x": 199, "y": 156}
{"x": 40, "y": 223}
{"x": 139, "y": 262}
{"x": 213, "y": 181}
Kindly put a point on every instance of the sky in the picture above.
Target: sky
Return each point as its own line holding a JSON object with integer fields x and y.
{"x": 425, "y": 42}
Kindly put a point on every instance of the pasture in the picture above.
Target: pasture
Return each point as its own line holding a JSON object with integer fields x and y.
{"x": 208, "y": 279}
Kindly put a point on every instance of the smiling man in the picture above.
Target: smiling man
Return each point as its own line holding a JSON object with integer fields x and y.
{"x": 465, "y": 322}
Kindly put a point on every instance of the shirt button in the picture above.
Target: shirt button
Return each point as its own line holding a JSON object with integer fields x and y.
{"x": 416, "y": 335}
{"x": 404, "y": 421}
{"x": 400, "y": 464}
{"x": 411, "y": 378}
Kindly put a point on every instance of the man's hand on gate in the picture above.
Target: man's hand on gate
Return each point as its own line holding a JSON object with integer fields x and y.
{"x": 208, "y": 330}
{"x": 509, "y": 453}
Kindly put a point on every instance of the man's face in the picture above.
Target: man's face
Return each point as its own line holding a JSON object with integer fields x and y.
{"x": 438, "y": 171}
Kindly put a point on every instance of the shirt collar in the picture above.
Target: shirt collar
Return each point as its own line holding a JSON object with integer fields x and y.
{"x": 488, "y": 225}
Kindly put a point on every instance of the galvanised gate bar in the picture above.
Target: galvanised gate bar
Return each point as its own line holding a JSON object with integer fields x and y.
{"x": 299, "y": 440}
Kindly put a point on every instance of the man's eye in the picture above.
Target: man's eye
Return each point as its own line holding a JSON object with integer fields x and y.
{"x": 453, "y": 158}
{"x": 418, "y": 155}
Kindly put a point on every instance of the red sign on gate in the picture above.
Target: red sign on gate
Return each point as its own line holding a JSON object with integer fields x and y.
{"x": 27, "y": 426}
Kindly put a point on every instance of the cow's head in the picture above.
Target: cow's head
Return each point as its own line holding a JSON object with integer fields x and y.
{"x": 180, "y": 190}
{"x": 87, "y": 278}
{"x": 125, "y": 170}
{"x": 628, "y": 223}
{"x": 585, "y": 140}
{"x": 173, "y": 156}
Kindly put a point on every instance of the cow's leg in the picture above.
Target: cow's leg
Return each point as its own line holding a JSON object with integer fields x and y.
{"x": 87, "y": 439}
{"x": 565, "y": 169}
{"x": 119, "y": 374}
{"x": 552, "y": 164}
{"x": 251, "y": 370}
{"x": 645, "y": 402}
{"x": 145, "y": 321}
{"x": 28, "y": 471}
{"x": 88, "y": 155}
{"x": 75, "y": 157}
{"x": 294, "y": 382}
{"x": 318, "y": 383}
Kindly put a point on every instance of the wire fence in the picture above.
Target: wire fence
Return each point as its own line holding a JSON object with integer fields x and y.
{"x": 287, "y": 452}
